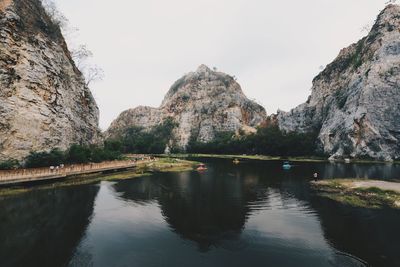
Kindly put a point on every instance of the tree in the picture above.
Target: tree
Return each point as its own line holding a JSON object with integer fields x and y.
{"x": 93, "y": 74}
{"x": 78, "y": 154}
{"x": 80, "y": 55}
{"x": 138, "y": 140}
{"x": 267, "y": 141}
{"x": 55, "y": 15}
{"x": 9, "y": 165}
{"x": 45, "y": 159}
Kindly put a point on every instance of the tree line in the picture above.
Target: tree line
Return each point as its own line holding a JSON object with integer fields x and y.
{"x": 269, "y": 141}
{"x": 266, "y": 141}
{"x": 137, "y": 140}
{"x": 76, "y": 154}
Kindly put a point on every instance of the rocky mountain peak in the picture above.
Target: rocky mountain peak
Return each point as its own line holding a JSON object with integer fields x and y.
{"x": 355, "y": 100}
{"x": 202, "y": 103}
{"x": 389, "y": 15}
{"x": 203, "y": 68}
{"x": 202, "y": 83}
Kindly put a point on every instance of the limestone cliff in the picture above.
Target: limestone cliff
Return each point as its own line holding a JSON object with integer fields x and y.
{"x": 44, "y": 102}
{"x": 202, "y": 103}
{"x": 355, "y": 101}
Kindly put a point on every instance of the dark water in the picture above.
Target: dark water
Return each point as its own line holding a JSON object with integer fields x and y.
{"x": 252, "y": 214}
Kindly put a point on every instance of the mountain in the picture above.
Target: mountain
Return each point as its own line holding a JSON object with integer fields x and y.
{"x": 202, "y": 103}
{"x": 44, "y": 102}
{"x": 355, "y": 100}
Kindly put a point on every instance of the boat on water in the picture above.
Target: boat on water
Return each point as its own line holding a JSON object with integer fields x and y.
{"x": 201, "y": 167}
{"x": 286, "y": 165}
{"x": 236, "y": 161}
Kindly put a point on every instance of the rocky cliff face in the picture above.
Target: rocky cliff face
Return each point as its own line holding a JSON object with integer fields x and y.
{"x": 202, "y": 103}
{"x": 355, "y": 101}
{"x": 44, "y": 102}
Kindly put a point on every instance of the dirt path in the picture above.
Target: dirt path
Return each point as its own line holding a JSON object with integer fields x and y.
{"x": 393, "y": 186}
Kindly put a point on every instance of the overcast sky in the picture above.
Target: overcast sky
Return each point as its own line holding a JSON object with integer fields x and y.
{"x": 274, "y": 48}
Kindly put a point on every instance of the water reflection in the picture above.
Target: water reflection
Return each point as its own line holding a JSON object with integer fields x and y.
{"x": 43, "y": 228}
{"x": 199, "y": 207}
{"x": 369, "y": 171}
{"x": 372, "y": 235}
{"x": 251, "y": 214}
{"x": 258, "y": 204}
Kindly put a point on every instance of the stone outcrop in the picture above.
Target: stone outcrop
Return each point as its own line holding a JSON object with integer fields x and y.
{"x": 44, "y": 102}
{"x": 202, "y": 103}
{"x": 355, "y": 101}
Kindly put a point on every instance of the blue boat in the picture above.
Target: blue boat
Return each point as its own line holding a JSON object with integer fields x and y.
{"x": 286, "y": 165}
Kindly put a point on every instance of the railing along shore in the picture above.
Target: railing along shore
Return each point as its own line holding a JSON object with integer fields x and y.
{"x": 10, "y": 176}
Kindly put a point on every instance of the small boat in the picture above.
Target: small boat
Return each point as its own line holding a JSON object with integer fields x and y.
{"x": 286, "y": 165}
{"x": 347, "y": 160}
{"x": 201, "y": 167}
{"x": 236, "y": 161}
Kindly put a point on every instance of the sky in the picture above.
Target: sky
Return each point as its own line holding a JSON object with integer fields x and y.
{"x": 274, "y": 48}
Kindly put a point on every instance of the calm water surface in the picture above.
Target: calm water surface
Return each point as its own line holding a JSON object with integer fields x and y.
{"x": 252, "y": 214}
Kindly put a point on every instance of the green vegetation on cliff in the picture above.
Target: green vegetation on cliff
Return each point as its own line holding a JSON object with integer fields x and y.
{"x": 269, "y": 141}
{"x": 136, "y": 140}
{"x": 266, "y": 141}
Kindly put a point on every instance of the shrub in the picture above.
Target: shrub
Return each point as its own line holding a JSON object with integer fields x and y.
{"x": 45, "y": 159}
{"x": 9, "y": 164}
{"x": 79, "y": 154}
{"x": 74, "y": 155}
{"x": 137, "y": 140}
{"x": 179, "y": 83}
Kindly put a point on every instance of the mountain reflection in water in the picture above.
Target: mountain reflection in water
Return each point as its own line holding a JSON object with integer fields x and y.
{"x": 43, "y": 228}
{"x": 251, "y": 214}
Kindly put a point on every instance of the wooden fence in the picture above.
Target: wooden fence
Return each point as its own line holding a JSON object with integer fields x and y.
{"x": 36, "y": 174}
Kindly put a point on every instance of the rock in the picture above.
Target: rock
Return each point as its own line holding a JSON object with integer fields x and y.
{"x": 355, "y": 101}
{"x": 44, "y": 102}
{"x": 202, "y": 103}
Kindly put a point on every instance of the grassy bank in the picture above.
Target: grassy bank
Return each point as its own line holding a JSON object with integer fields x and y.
{"x": 142, "y": 169}
{"x": 246, "y": 157}
{"x": 271, "y": 158}
{"x": 360, "y": 193}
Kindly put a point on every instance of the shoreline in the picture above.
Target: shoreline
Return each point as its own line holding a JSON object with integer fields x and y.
{"x": 271, "y": 158}
{"x": 141, "y": 170}
{"x": 363, "y": 193}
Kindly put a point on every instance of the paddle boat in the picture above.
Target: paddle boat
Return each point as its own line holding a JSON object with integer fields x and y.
{"x": 236, "y": 161}
{"x": 286, "y": 165}
{"x": 201, "y": 167}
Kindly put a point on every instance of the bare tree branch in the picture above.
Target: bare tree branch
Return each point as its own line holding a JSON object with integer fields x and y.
{"x": 93, "y": 74}
{"x": 80, "y": 55}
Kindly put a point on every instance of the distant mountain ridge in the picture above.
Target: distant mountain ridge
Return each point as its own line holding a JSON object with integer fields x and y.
{"x": 202, "y": 103}
{"x": 355, "y": 101}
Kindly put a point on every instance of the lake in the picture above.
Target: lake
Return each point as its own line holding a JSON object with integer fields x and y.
{"x": 250, "y": 214}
